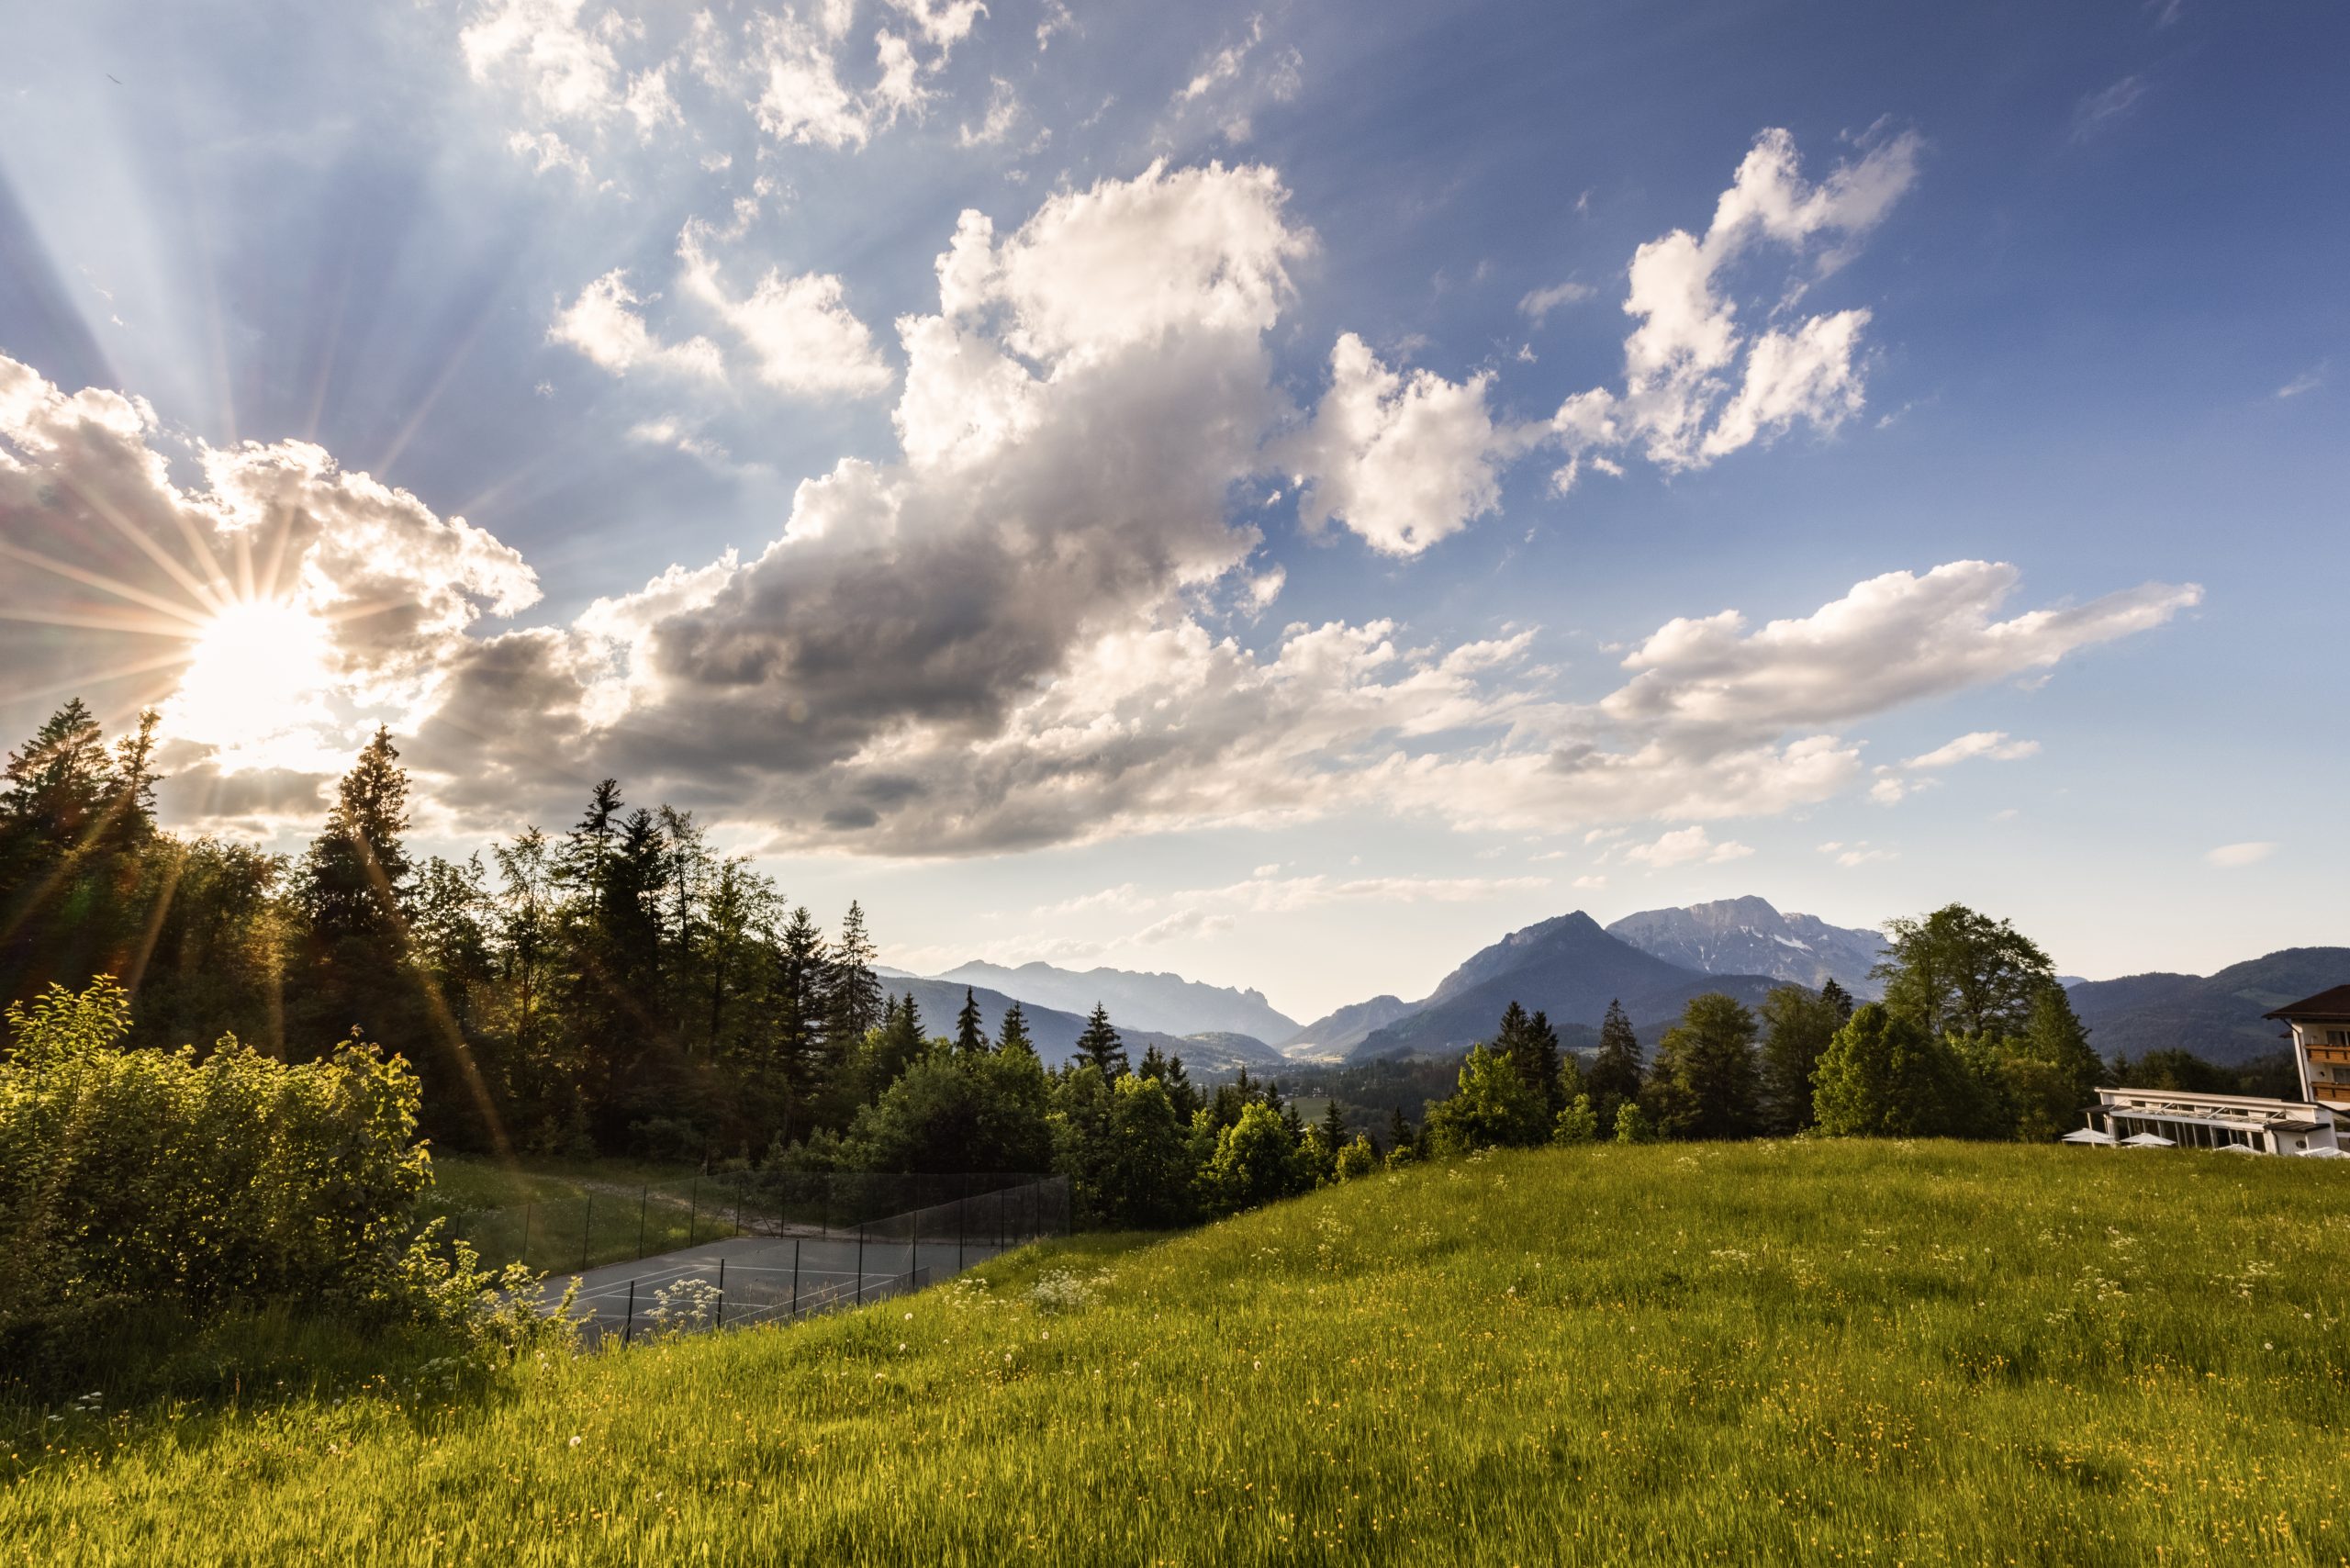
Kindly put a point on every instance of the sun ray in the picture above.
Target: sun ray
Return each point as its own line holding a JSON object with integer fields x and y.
{"x": 210, "y": 593}
{"x": 104, "y": 584}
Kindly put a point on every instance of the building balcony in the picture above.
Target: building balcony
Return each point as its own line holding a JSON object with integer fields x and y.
{"x": 2330, "y": 1093}
{"x": 2328, "y": 1053}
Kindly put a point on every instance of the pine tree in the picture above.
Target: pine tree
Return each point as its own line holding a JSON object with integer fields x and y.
{"x": 800, "y": 968}
{"x": 1531, "y": 1046}
{"x": 1011, "y": 1034}
{"x": 1101, "y": 1046}
{"x": 970, "y": 1029}
{"x": 853, "y": 995}
{"x": 1836, "y": 996}
{"x": 357, "y": 869}
{"x": 1401, "y": 1138}
{"x": 1334, "y": 1125}
{"x": 1615, "y": 1074}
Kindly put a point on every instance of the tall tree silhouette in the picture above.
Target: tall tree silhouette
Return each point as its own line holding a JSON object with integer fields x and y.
{"x": 1100, "y": 1043}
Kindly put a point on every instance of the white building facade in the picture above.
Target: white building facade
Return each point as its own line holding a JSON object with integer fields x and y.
{"x": 2321, "y": 1026}
{"x": 2215, "y": 1121}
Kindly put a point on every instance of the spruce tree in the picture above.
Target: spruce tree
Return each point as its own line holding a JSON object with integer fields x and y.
{"x": 1011, "y": 1035}
{"x": 1836, "y": 996}
{"x": 1100, "y": 1043}
{"x": 970, "y": 1029}
{"x": 357, "y": 869}
{"x": 1334, "y": 1125}
{"x": 801, "y": 965}
{"x": 1531, "y": 1046}
{"x": 852, "y": 992}
{"x": 1615, "y": 1074}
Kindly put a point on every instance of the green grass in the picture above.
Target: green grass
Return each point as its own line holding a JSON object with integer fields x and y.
{"x": 1670, "y": 1354}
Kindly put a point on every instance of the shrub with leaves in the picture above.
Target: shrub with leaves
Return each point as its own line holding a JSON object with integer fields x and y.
{"x": 143, "y": 1178}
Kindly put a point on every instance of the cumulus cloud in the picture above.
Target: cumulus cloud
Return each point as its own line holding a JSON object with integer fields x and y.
{"x": 995, "y": 637}
{"x": 799, "y": 330}
{"x": 1402, "y": 459}
{"x": 1894, "y": 639}
{"x": 604, "y": 324}
{"x": 1684, "y": 846}
{"x": 1858, "y": 854}
{"x": 2229, "y": 856}
{"x": 564, "y": 68}
{"x": 256, "y": 608}
{"x": 1696, "y": 386}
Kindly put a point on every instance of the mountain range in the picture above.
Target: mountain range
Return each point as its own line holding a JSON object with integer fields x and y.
{"x": 1747, "y": 936}
{"x": 2216, "y": 1016}
{"x": 1055, "y": 1030}
{"x": 1571, "y": 968}
{"x": 1162, "y": 1002}
{"x": 1566, "y": 967}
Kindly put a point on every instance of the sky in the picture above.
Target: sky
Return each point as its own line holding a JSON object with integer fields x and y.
{"x": 1283, "y": 494}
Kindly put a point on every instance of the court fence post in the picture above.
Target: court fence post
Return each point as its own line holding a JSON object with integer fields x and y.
{"x": 587, "y": 1230}
{"x": 719, "y": 1321}
{"x": 693, "y": 1208}
{"x": 962, "y": 1222}
{"x": 525, "y": 1253}
{"x": 628, "y": 1333}
{"x": 644, "y": 1201}
{"x": 795, "y": 1278}
{"x": 860, "y": 1263}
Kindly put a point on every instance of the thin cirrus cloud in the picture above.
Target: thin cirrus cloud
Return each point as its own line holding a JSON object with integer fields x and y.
{"x": 1685, "y": 846}
{"x": 2228, "y": 856}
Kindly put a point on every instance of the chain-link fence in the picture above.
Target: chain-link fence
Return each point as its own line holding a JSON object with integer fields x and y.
{"x": 614, "y": 1222}
{"x": 732, "y": 1250}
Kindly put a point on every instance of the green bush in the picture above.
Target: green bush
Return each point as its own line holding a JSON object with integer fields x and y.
{"x": 154, "y": 1181}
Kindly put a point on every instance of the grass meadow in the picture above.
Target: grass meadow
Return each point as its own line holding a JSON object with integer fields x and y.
{"x": 1831, "y": 1352}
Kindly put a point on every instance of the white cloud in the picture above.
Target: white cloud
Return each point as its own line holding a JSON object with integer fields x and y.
{"x": 944, "y": 23}
{"x": 260, "y": 608}
{"x": 1223, "y": 65}
{"x": 1682, "y": 361}
{"x": 649, "y": 101}
{"x": 2308, "y": 381}
{"x": 1000, "y": 634}
{"x": 799, "y": 330}
{"x": 1990, "y": 744}
{"x": 1591, "y": 883}
{"x": 1894, "y": 639}
{"x": 565, "y": 70}
{"x": 1403, "y": 459}
{"x": 1860, "y": 853}
{"x": 603, "y": 324}
{"x": 1538, "y": 303}
{"x": 2234, "y": 855}
{"x": 1002, "y": 115}
{"x": 1684, "y": 845}
{"x": 547, "y": 152}
{"x": 2106, "y": 107}
{"x": 1058, "y": 19}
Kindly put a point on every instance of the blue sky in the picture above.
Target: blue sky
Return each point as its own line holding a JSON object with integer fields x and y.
{"x": 1199, "y": 591}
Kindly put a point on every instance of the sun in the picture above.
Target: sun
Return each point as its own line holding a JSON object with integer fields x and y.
{"x": 258, "y": 670}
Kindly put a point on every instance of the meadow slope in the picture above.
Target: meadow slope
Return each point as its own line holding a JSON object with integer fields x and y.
{"x": 1815, "y": 1351}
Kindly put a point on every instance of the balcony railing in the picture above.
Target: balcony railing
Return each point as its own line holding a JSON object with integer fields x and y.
{"x": 2334, "y": 1093}
{"x": 2328, "y": 1053}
